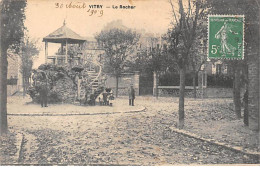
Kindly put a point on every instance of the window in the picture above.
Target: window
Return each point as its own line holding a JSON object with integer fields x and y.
{"x": 218, "y": 69}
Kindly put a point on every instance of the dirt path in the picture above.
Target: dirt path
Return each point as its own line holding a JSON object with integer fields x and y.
{"x": 142, "y": 138}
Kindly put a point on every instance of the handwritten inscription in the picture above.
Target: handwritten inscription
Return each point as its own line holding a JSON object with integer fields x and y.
{"x": 77, "y": 5}
{"x": 95, "y": 12}
{"x": 91, "y": 9}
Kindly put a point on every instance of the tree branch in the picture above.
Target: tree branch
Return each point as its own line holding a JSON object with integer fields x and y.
{"x": 173, "y": 10}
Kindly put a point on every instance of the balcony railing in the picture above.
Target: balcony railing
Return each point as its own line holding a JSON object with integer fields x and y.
{"x": 60, "y": 60}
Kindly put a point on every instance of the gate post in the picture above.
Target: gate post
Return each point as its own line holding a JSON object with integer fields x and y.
{"x": 202, "y": 82}
{"x": 136, "y": 82}
{"x": 155, "y": 83}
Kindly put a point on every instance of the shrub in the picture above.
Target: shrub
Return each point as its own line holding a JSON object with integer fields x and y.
{"x": 173, "y": 79}
{"x": 61, "y": 83}
{"x": 54, "y": 97}
{"x": 220, "y": 81}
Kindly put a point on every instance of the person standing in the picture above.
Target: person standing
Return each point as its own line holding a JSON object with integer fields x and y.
{"x": 131, "y": 93}
{"x": 43, "y": 95}
{"x": 105, "y": 99}
{"x": 44, "y": 92}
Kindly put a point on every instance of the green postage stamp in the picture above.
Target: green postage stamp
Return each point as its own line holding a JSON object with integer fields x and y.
{"x": 226, "y": 36}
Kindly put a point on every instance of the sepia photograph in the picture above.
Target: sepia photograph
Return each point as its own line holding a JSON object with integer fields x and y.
{"x": 130, "y": 83}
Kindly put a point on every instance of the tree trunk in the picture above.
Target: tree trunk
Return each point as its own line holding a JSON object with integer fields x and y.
{"x": 117, "y": 78}
{"x": 236, "y": 92}
{"x": 246, "y": 122}
{"x": 3, "y": 90}
{"x": 194, "y": 85}
{"x": 181, "y": 97}
{"x": 157, "y": 92}
{"x": 27, "y": 83}
{"x": 24, "y": 84}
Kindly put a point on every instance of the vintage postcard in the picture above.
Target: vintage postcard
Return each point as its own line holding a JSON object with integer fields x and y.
{"x": 129, "y": 82}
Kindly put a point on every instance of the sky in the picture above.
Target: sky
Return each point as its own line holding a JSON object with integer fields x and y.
{"x": 43, "y": 17}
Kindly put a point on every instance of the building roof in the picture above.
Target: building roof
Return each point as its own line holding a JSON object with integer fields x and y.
{"x": 62, "y": 34}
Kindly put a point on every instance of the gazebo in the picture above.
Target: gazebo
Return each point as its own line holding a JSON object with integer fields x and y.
{"x": 64, "y": 36}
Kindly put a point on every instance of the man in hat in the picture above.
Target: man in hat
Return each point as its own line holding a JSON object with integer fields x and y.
{"x": 131, "y": 92}
{"x": 44, "y": 90}
{"x": 44, "y": 94}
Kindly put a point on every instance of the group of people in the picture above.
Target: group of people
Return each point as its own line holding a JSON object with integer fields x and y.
{"x": 107, "y": 96}
{"x": 105, "y": 99}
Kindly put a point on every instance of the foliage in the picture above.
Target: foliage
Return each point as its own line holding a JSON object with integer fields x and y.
{"x": 158, "y": 59}
{"x": 53, "y": 95}
{"x": 57, "y": 77}
{"x": 28, "y": 52}
{"x": 53, "y": 72}
{"x": 220, "y": 80}
{"x": 180, "y": 41}
{"x": 185, "y": 32}
{"x": 12, "y": 31}
{"x": 148, "y": 61}
{"x": 141, "y": 62}
{"x": 12, "y": 25}
{"x": 119, "y": 50}
{"x": 173, "y": 79}
{"x": 198, "y": 55}
{"x": 119, "y": 47}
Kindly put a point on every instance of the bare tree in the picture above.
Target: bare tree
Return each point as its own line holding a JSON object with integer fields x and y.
{"x": 181, "y": 39}
{"x": 198, "y": 59}
{"x": 157, "y": 59}
{"x": 28, "y": 53}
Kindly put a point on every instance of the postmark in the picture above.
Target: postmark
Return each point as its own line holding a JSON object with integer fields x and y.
{"x": 226, "y": 37}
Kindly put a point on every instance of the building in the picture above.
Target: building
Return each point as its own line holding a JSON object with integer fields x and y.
{"x": 14, "y": 76}
{"x": 217, "y": 68}
{"x": 64, "y": 36}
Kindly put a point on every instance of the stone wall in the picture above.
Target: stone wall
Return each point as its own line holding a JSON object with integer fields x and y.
{"x": 123, "y": 83}
{"x": 13, "y": 72}
{"x": 13, "y": 66}
{"x": 173, "y": 91}
{"x": 219, "y": 92}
